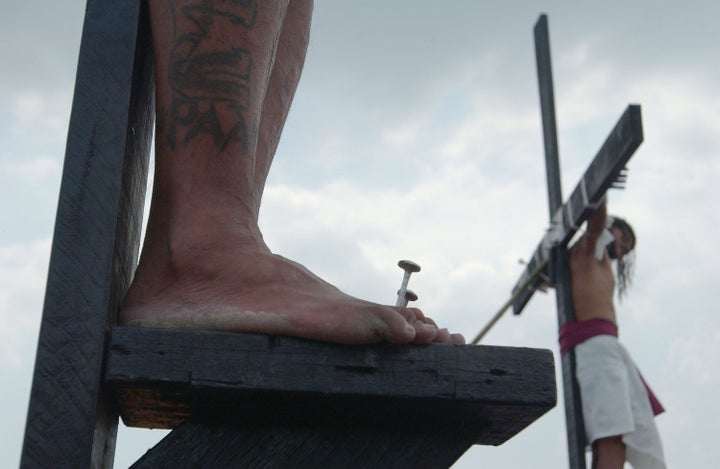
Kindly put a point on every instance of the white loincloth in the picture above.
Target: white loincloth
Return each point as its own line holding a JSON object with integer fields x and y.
{"x": 615, "y": 402}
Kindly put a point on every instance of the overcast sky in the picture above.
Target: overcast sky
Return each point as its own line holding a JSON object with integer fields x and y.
{"x": 416, "y": 134}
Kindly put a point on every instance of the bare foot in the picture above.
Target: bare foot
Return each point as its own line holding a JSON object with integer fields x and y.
{"x": 226, "y": 73}
{"x": 255, "y": 291}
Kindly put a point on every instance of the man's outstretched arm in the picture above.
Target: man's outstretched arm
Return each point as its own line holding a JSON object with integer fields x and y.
{"x": 597, "y": 221}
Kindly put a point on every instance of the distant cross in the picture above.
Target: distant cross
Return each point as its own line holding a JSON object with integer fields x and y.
{"x": 550, "y": 259}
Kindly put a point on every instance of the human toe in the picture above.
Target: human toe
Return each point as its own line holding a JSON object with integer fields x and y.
{"x": 424, "y": 333}
{"x": 457, "y": 339}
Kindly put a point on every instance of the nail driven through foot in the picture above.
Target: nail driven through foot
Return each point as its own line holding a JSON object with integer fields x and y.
{"x": 409, "y": 296}
{"x": 409, "y": 267}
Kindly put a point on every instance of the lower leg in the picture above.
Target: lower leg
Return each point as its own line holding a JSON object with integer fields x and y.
{"x": 223, "y": 71}
{"x": 609, "y": 453}
{"x": 284, "y": 79}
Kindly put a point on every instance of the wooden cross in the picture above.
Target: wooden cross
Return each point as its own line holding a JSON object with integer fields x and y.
{"x": 550, "y": 259}
{"x": 233, "y": 400}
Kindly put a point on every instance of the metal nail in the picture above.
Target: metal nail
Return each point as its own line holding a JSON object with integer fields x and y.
{"x": 409, "y": 296}
{"x": 409, "y": 267}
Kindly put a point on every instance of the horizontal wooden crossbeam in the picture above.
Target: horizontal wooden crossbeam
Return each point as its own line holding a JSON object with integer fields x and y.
{"x": 604, "y": 170}
{"x": 163, "y": 377}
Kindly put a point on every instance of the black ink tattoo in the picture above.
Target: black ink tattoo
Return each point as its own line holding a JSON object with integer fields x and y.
{"x": 209, "y": 78}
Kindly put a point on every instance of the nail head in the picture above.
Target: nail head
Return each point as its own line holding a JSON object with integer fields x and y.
{"x": 409, "y": 266}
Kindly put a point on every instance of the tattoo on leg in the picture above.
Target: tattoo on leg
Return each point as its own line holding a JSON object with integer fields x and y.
{"x": 210, "y": 78}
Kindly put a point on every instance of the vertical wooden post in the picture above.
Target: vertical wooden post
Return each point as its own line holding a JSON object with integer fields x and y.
{"x": 559, "y": 256}
{"x": 70, "y": 422}
{"x": 547, "y": 109}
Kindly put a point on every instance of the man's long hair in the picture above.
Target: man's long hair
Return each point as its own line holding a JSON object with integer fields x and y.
{"x": 626, "y": 263}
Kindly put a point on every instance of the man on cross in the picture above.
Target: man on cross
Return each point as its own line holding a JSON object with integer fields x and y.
{"x": 618, "y": 407}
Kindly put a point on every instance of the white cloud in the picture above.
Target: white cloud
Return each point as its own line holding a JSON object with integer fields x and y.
{"x": 401, "y": 136}
{"x": 29, "y": 107}
{"x": 23, "y": 270}
{"x": 36, "y": 171}
{"x": 689, "y": 383}
{"x": 38, "y": 112}
{"x": 691, "y": 357}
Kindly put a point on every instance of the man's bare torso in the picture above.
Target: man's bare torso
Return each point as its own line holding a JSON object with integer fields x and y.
{"x": 593, "y": 282}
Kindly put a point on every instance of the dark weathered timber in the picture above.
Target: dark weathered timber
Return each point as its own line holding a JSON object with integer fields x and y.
{"x": 238, "y": 444}
{"x": 547, "y": 110}
{"x": 70, "y": 422}
{"x": 574, "y": 422}
{"x": 604, "y": 169}
{"x": 164, "y": 377}
{"x": 558, "y": 265}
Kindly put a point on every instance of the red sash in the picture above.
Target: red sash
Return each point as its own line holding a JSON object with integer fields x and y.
{"x": 574, "y": 333}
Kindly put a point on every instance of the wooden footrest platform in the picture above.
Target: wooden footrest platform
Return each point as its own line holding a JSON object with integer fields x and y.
{"x": 245, "y": 384}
